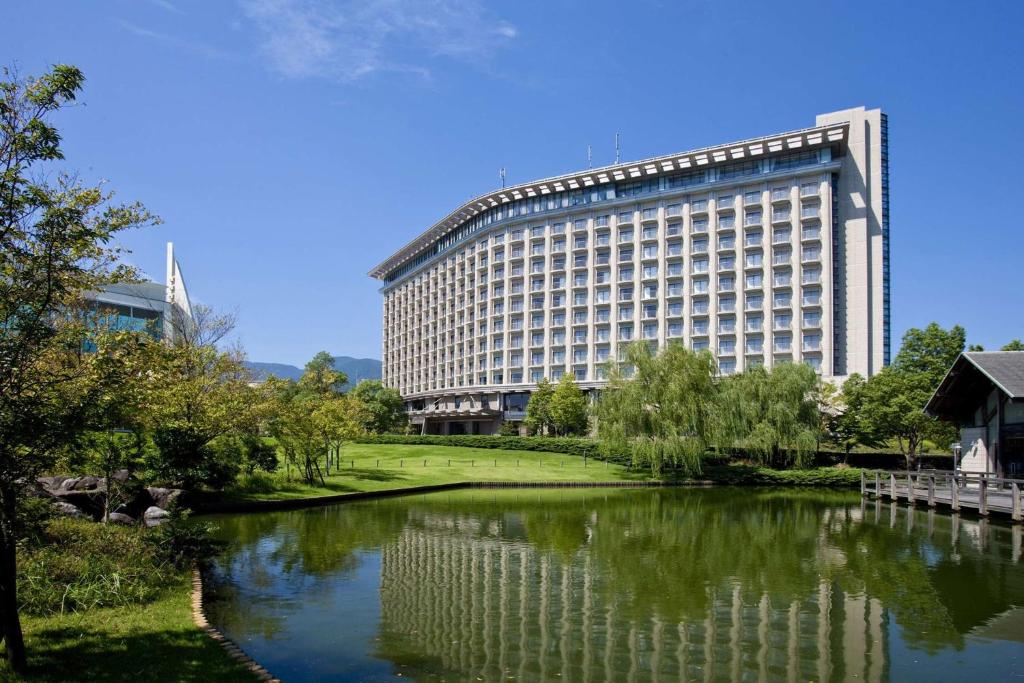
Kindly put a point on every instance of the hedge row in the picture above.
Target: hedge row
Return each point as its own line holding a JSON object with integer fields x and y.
{"x": 549, "y": 444}
{"x": 591, "y": 449}
{"x": 743, "y": 475}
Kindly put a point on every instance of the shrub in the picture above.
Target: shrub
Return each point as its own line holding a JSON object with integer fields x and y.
{"x": 569, "y": 445}
{"x": 83, "y": 565}
{"x": 257, "y": 482}
{"x": 77, "y": 565}
{"x": 750, "y": 475}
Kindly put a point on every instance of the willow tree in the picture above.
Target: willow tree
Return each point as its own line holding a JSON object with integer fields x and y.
{"x": 658, "y": 407}
{"x": 772, "y": 415}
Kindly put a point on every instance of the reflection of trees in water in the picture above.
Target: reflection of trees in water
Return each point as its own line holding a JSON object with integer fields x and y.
{"x": 940, "y": 575}
{"x": 274, "y": 557}
{"x": 603, "y": 585}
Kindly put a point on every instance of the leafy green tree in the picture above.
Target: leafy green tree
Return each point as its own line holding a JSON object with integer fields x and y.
{"x": 55, "y": 243}
{"x": 771, "y": 415}
{"x": 930, "y": 351}
{"x": 339, "y": 420}
{"x": 894, "y": 399}
{"x": 840, "y": 415}
{"x": 659, "y": 407}
{"x": 1013, "y": 345}
{"x": 568, "y": 408}
{"x": 538, "y": 408}
{"x": 385, "y": 410}
{"x": 321, "y": 377}
{"x": 118, "y": 440}
{"x": 311, "y": 420}
{"x": 204, "y": 400}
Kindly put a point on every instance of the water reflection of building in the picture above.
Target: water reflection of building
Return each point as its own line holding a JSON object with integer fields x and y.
{"x": 484, "y": 606}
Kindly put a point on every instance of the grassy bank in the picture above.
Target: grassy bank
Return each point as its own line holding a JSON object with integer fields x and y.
{"x": 391, "y": 467}
{"x": 387, "y": 467}
{"x": 156, "y": 641}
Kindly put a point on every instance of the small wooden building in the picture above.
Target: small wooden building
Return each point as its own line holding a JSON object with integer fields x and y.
{"x": 984, "y": 394}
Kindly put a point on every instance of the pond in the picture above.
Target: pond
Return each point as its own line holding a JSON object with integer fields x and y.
{"x": 622, "y": 585}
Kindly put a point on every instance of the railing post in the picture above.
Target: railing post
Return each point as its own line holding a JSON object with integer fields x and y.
{"x": 878, "y": 484}
{"x": 863, "y": 484}
{"x": 1015, "y": 492}
{"x": 892, "y": 487}
{"x": 954, "y": 492}
{"x": 931, "y": 490}
{"x": 983, "y": 496}
{"x": 910, "y": 489}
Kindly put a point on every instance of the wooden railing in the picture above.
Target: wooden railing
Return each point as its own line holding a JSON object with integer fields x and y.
{"x": 984, "y": 493}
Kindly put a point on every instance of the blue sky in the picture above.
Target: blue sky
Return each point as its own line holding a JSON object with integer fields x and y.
{"x": 290, "y": 145}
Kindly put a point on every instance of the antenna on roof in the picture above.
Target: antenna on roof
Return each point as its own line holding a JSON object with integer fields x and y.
{"x": 616, "y": 148}
{"x": 590, "y": 157}
{"x": 501, "y": 174}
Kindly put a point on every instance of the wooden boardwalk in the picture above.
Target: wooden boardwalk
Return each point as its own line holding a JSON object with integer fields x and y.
{"x": 981, "y": 493}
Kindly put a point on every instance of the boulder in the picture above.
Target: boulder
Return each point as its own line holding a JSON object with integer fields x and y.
{"x": 51, "y": 483}
{"x": 155, "y": 516}
{"x": 68, "y": 484}
{"x": 121, "y": 476}
{"x": 69, "y": 510}
{"x": 121, "y": 518}
{"x": 163, "y": 498}
{"x": 87, "y": 483}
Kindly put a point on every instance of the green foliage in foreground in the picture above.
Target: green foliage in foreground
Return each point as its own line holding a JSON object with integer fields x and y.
{"x": 156, "y": 641}
{"x": 77, "y": 565}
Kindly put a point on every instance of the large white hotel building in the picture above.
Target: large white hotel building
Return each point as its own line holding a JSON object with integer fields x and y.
{"x": 765, "y": 251}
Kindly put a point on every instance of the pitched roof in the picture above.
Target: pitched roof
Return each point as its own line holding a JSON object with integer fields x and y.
{"x": 971, "y": 377}
{"x": 1004, "y": 368}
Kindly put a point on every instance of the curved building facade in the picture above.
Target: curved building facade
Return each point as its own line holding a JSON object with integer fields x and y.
{"x": 764, "y": 251}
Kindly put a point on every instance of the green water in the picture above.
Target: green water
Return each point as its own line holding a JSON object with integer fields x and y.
{"x": 622, "y": 585}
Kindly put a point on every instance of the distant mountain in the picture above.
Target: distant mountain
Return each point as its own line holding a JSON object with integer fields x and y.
{"x": 356, "y": 369}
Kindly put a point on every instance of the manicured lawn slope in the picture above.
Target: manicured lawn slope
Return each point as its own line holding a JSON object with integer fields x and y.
{"x": 382, "y": 467}
{"x": 385, "y": 467}
{"x": 152, "y": 642}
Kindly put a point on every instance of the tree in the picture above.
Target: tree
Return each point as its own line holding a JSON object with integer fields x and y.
{"x": 385, "y": 410}
{"x": 840, "y": 413}
{"x": 338, "y": 420}
{"x": 320, "y": 376}
{"x": 893, "y": 408}
{"x": 894, "y": 399}
{"x": 538, "y": 408}
{"x": 568, "y": 408}
{"x": 659, "y": 407}
{"x": 122, "y": 363}
{"x": 55, "y": 244}
{"x": 771, "y": 415}
{"x": 930, "y": 351}
{"x": 1013, "y": 345}
{"x": 205, "y": 395}
{"x": 311, "y": 420}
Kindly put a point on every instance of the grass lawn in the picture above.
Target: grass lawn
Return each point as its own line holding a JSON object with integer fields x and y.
{"x": 153, "y": 642}
{"x": 382, "y": 467}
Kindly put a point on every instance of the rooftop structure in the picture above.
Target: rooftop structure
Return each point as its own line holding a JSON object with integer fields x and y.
{"x": 148, "y": 306}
